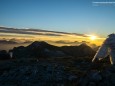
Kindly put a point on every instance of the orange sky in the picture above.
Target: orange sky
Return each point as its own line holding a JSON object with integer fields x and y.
{"x": 64, "y": 37}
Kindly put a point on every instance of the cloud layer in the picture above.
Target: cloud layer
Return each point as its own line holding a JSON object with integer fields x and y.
{"x": 29, "y": 35}
{"x": 35, "y": 32}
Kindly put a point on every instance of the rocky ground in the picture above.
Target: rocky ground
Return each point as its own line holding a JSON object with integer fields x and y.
{"x": 56, "y": 72}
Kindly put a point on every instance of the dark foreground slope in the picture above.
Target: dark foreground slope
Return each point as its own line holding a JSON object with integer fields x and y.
{"x": 55, "y": 72}
{"x": 42, "y": 64}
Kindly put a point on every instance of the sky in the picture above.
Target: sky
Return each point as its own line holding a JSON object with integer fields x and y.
{"x": 76, "y": 16}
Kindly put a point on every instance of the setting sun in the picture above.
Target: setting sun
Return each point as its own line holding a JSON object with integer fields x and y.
{"x": 93, "y": 37}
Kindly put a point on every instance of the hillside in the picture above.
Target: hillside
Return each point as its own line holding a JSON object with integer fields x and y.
{"x": 42, "y": 64}
{"x": 40, "y": 49}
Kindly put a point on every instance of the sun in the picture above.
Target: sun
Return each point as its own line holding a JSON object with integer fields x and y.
{"x": 93, "y": 37}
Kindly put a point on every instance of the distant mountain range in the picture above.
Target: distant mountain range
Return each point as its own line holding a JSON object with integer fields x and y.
{"x": 7, "y": 42}
{"x": 40, "y": 49}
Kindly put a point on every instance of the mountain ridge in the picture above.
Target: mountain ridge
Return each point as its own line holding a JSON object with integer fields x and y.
{"x": 43, "y": 49}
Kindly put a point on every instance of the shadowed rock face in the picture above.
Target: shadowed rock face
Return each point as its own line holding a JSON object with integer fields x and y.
{"x": 37, "y": 49}
{"x": 34, "y": 73}
{"x": 44, "y": 73}
{"x": 82, "y": 50}
{"x": 99, "y": 78}
{"x": 42, "y": 44}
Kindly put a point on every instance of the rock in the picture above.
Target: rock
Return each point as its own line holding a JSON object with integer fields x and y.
{"x": 72, "y": 77}
{"x": 37, "y": 49}
{"x": 4, "y": 55}
{"x": 105, "y": 74}
{"x": 52, "y": 53}
{"x": 83, "y": 81}
{"x": 79, "y": 51}
{"x": 92, "y": 84}
{"x": 95, "y": 76}
{"x": 112, "y": 79}
{"x": 112, "y": 69}
{"x": 102, "y": 84}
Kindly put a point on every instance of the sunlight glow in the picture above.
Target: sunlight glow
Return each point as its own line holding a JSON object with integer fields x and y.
{"x": 93, "y": 37}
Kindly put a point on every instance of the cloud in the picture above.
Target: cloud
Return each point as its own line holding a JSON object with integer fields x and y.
{"x": 27, "y": 31}
{"x": 28, "y": 35}
{"x": 7, "y": 42}
{"x": 36, "y": 32}
{"x": 71, "y": 42}
{"x": 66, "y": 42}
{"x": 103, "y": 3}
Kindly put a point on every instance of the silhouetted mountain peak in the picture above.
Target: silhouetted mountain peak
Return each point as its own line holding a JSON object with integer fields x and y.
{"x": 42, "y": 45}
{"x": 83, "y": 44}
{"x": 43, "y": 49}
{"x": 81, "y": 50}
{"x": 38, "y": 44}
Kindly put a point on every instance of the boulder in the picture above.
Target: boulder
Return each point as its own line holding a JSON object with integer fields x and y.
{"x": 4, "y": 55}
